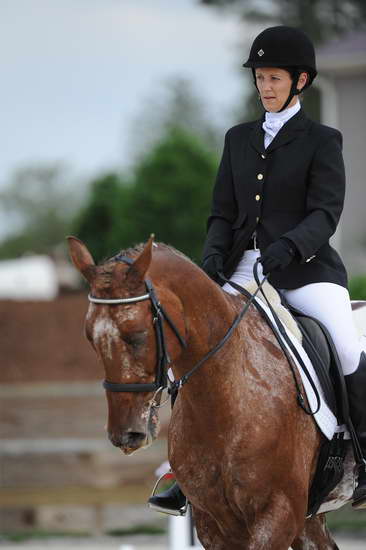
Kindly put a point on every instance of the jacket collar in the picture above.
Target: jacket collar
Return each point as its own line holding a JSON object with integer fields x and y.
{"x": 289, "y": 131}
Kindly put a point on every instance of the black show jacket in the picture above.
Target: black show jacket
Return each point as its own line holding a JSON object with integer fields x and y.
{"x": 295, "y": 188}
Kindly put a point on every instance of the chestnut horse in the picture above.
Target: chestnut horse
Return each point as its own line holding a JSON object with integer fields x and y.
{"x": 241, "y": 448}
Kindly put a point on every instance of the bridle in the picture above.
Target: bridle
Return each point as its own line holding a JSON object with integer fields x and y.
{"x": 159, "y": 316}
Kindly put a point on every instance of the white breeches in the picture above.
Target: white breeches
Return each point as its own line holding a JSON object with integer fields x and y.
{"x": 328, "y": 302}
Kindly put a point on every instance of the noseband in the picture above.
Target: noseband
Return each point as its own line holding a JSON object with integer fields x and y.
{"x": 159, "y": 316}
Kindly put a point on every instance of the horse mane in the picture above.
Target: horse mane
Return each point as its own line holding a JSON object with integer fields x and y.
{"x": 106, "y": 266}
{"x": 136, "y": 249}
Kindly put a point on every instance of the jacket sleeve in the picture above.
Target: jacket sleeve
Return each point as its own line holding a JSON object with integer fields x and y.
{"x": 324, "y": 199}
{"x": 224, "y": 209}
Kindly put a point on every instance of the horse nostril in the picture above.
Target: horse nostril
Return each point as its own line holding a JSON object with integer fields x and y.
{"x": 136, "y": 437}
{"x": 132, "y": 439}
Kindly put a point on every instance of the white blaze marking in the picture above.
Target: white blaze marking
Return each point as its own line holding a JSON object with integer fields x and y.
{"x": 105, "y": 332}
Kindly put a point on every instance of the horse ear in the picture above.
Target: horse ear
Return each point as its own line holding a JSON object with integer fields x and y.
{"x": 142, "y": 262}
{"x": 81, "y": 258}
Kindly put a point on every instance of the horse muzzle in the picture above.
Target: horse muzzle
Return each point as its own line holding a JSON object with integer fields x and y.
{"x": 129, "y": 441}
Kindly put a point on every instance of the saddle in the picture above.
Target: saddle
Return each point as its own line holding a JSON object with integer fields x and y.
{"x": 322, "y": 353}
{"x": 315, "y": 339}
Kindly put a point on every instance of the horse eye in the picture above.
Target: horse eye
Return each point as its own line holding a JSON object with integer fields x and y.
{"x": 136, "y": 339}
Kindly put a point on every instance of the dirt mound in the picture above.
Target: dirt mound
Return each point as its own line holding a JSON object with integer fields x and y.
{"x": 44, "y": 341}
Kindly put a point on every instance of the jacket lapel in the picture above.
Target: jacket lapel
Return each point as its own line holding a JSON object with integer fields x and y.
{"x": 291, "y": 130}
{"x": 257, "y": 136}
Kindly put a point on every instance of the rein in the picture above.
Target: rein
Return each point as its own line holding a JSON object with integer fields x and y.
{"x": 282, "y": 337}
{"x": 177, "y": 384}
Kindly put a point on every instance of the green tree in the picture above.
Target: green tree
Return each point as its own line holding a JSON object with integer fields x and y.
{"x": 168, "y": 194}
{"x": 172, "y": 192}
{"x": 39, "y": 204}
{"x": 357, "y": 287}
{"x": 320, "y": 19}
{"x": 104, "y": 220}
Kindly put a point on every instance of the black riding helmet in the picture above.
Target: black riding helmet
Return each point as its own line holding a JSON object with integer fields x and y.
{"x": 285, "y": 47}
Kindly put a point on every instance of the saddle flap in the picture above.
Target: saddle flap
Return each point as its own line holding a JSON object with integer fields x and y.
{"x": 321, "y": 350}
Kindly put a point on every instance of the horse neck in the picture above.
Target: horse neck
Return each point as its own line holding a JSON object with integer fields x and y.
{"x": 209, "y": 313}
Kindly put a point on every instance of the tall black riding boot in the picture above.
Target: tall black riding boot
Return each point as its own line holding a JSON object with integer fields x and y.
{"x": 171, "y": 501}
{"x": 356, "y": 389}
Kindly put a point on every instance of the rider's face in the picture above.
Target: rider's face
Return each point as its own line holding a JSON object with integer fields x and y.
{"x": 274, "y": 86}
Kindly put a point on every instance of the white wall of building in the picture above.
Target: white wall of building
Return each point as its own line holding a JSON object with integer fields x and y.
{"x": 28, "y": 278}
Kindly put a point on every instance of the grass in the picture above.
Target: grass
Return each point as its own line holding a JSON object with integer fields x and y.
{"x": 145, "y": 529}
{"x": 20, "y": 536}
{"x": 347, "y": 520}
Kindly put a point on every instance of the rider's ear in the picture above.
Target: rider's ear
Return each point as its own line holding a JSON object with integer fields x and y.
{"x": 81, "y": 258}
{"x": 139, "y": 267}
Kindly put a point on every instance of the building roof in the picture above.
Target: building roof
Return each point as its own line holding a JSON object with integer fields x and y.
{"x": 345, "y": 55}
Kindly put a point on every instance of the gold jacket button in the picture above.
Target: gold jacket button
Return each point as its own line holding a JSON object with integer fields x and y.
{"x": 259, "y": 176}
{"x": 263, "y": 156}
{"x": 257, "y": 219}
{"x": 257, "y": 197}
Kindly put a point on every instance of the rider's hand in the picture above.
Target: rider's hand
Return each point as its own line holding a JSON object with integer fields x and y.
{"x": 277, "y": 255}
{"x": 212, "y": 265}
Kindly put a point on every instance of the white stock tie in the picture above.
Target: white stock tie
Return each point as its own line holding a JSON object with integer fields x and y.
{"x": 272, "y": 127}
{"x": 274, "y": 122}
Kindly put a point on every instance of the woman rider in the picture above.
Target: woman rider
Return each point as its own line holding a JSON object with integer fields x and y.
{"x": 279, "y": 195}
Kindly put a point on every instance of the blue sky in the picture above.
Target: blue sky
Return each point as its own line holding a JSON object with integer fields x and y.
{"x": 75, "y": 73}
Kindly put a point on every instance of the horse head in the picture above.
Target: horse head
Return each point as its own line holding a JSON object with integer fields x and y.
{"x": 120, "y": 326}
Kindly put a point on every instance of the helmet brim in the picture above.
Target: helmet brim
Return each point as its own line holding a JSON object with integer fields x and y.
{"x": 261, "y": 64}
{"x": 255, "y": 64}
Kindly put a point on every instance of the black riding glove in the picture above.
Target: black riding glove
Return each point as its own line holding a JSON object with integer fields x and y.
{"x": 212, "y": 265}
{"x": 277, "y": 255}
